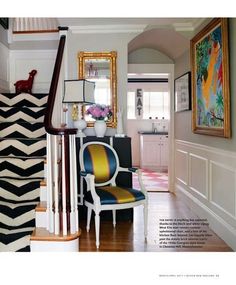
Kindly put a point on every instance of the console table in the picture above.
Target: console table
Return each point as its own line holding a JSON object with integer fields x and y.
{"x": 123, "y": 148}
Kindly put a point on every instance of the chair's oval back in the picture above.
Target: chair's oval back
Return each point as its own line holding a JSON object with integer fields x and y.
{"x": 99, "y": 159}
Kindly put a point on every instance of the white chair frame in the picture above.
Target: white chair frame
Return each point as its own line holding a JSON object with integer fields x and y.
{"x": 97, "y": 207}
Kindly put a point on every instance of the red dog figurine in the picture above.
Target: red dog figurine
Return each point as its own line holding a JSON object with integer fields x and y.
{"x": 25, "y": 85}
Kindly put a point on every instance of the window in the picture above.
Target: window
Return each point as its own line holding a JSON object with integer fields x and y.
{"x": 155, "y": 100}
{"x": 155, "y": 104}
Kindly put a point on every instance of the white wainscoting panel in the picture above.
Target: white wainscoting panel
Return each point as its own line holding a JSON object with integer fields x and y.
{"x": 181, "y": 169}
{"x": 222, "y": 187}
{"x": 4, "y": 62}
{"x": 206, "y": 178}
{"x": 198, "y": 183}
{"x": 22, "y": 62}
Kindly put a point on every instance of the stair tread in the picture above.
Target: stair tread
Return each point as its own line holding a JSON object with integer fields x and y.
{"x": 22, "y": 130}
{"x": 41, "y": 207}
{"x": 25, "y": 99}
{"x": 42, "y": 234}
{"x": 22, "y": 114}
{"x": 43, "y": 183}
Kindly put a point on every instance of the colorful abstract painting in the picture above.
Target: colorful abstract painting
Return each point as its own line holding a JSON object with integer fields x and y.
{"x": 211, "y": 92}
{"x": 210, "y": 102}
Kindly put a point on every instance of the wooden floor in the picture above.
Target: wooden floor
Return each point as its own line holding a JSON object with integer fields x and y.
{"x": 128, "y": 236}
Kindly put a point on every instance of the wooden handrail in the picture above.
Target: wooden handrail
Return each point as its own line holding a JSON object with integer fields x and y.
{"x": 52, "y": 95}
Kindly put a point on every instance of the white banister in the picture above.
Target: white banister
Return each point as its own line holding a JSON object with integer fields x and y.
{"x": 62, "y": 195}
{"x": 57, "y": 204}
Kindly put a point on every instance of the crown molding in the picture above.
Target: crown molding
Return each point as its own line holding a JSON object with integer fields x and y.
{"x": 188, "y": 26}
{"x": 106, "y": 29}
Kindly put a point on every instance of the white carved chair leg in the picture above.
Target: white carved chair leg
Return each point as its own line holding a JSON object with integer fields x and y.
{"x": 145, "y": 215}
{"x": 97, "y": 228}
{"x": 89, "y": 212}
{"x": 114, "y": 218}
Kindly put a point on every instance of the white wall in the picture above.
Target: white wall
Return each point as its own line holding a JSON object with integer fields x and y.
{"x": 182, "y": 65}
{"x": 206, "y": 179}
{"x": 102, "y": 42}
{"x": 23, "y": 61}
{"x": 4, "y": 69}
{"x": 3, "y": 36}
{"x": 205, "y": 169}
{"x": 148, "y": 55}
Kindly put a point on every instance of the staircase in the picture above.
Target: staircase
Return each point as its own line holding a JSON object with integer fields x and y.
{"x": 23, "y": 190}
{"x": 37, "y": 215}
{"x": 22, "y": 156}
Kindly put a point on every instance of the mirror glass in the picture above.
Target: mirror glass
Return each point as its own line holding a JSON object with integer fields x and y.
{"x": 101, "y": 69}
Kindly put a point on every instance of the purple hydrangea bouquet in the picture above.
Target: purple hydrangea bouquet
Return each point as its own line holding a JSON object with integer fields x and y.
{"x": 99, "y": 112}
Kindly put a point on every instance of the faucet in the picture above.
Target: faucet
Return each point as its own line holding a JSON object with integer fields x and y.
{"x": 154, "y": 128}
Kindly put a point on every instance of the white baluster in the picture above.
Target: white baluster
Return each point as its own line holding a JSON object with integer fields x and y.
{"x": 21, "y": 24}
{"x": 51, "y": 213}
{"x": 56, "y": 192}
{"x": 75, "y": 185}
{"x": 33, "y": 24}
{"x": 49, "y": 179}
{"x": 72, "y": 205}
{"x": 26, "y": 24}
{"x": 15, "y": 25}
{"x": 64, "y": 218}
{"x": 81, "y": 195}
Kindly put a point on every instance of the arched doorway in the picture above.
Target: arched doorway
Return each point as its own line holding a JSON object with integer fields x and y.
{"x": 151, "y": 67}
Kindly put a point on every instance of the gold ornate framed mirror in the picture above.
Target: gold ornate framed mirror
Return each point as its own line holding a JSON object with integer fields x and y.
{"x": 100, "y": 67}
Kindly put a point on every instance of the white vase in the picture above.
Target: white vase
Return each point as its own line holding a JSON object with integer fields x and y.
{"x": 100, "y": 127}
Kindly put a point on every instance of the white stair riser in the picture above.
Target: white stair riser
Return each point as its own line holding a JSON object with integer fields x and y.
{"x": 41, "y": 219}
{"x": 43, "y": 193}
{"x": 55, "y": 246}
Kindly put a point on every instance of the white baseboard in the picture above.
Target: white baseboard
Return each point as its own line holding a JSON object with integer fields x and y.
{"x": 217, "y": 224}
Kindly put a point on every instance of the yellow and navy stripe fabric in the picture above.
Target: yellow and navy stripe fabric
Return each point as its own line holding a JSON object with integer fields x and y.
{"x": 100, "y": 161}
{"x": 116, "y": 195}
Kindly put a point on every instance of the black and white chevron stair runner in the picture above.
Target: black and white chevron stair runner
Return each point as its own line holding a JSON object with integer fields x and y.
{"x": 22, "y": 154}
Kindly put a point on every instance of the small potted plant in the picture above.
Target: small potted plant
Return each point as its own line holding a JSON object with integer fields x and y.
{"x": 100, "y": 113}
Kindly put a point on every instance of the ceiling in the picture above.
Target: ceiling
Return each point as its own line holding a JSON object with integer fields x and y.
{"x": 167, "y": 35}
{"x": 167, "y": 41}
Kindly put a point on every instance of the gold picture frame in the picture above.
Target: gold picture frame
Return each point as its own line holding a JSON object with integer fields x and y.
{"x": 210, "y": 80}
{"x": 110, "y": 58}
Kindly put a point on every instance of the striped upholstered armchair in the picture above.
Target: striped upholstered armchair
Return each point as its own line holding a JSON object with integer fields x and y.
{"x": 99, "y": 166}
